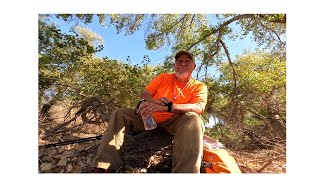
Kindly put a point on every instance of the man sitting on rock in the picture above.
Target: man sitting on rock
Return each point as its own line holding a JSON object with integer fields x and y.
{"x": 175, "y": 101}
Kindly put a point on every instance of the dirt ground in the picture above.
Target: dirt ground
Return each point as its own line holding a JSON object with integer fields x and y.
{"x": 138, "y": 155}
{"x": 77, "y": 158}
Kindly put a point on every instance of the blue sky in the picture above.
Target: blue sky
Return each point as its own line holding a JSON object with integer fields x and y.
{"x": 119, "y": 46}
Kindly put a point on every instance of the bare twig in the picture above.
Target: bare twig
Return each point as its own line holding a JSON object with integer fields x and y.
{"x": 264, "y": 166}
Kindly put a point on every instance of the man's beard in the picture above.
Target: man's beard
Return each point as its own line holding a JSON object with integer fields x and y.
{"x": 182, "y": 75}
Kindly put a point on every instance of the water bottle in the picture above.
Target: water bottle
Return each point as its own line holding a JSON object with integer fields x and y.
{"x": 210, "y": 145}
{"x": 149, "y": 123}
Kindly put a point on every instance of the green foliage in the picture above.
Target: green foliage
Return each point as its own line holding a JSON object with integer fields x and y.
{"x": 202, "y": 34}
{"x": 258, "y": 72}
{"x": 58, "y": 53}
{"x": 86, "y": 18}
{"x": 253, "y": 122}
{"x": 260, "y": 96}
{"x": 128, "y": 21}
{"x": 268, "y": 31}
{"x": 112, "y": 79}
{"x": 69, "y": 69}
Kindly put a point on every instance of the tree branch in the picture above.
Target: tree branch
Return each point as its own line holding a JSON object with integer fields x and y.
{"x": 213, "y": 31}
{"x": 199, "y": 69}
{"x": 231, "y": 64}
{"x": 258, "y": 115}
{"x": 273, "y": 31}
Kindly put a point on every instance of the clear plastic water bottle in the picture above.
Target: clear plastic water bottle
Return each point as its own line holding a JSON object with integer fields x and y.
{"x": 149, "y": 123}
{"x": 212, "y": 145}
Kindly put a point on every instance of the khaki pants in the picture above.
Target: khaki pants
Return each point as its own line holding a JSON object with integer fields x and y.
{"x": 187, "y": 129}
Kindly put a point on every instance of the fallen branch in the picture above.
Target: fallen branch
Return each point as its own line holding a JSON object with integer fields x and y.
{"x": 264, "y": 166}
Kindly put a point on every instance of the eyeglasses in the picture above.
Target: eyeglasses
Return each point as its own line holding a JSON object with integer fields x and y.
{"x": 180, "y": 61}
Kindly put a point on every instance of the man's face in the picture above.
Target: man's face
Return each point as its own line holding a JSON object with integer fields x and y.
{"x": 184, "y": 65}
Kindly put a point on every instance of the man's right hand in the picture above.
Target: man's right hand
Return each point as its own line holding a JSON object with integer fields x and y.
{"x": 162, "y": 101}
{"x": 147, "y": 108}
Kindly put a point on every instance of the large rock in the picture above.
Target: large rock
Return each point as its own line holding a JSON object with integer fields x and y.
{"x": 149, "y": 151}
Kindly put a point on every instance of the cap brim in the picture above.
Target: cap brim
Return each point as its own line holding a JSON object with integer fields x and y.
{"x": 180, "y": 53}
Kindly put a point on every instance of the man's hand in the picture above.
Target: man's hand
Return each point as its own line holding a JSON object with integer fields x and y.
{"x": 147, "y": 108}
{"x": 162, "y": 101}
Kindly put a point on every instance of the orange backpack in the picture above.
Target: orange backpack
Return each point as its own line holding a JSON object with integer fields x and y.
{"x": 217, "y": 160}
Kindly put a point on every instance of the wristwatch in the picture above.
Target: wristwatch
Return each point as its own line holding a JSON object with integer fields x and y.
{"x": 169, "y": 104}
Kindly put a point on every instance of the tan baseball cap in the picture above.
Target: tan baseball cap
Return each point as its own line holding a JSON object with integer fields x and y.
{"x": 184, "y": 52}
